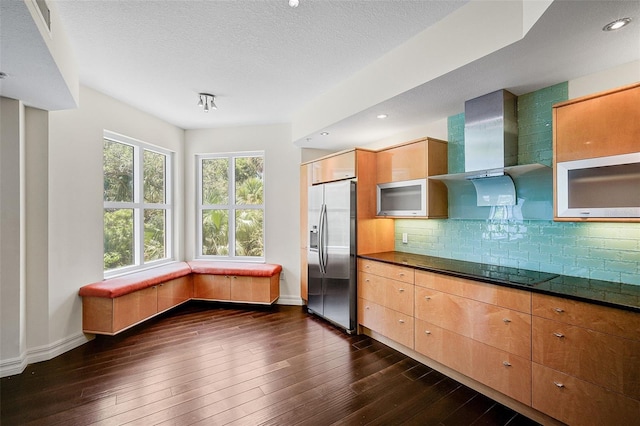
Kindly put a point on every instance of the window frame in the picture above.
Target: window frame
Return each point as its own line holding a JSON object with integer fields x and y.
{"x": 231, "y": 206}
{"x": 139, "y": 206}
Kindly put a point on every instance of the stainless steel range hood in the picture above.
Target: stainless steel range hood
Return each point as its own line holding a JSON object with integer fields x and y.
{"x": 491, "y": 133}
{"x": 491, "y": 149}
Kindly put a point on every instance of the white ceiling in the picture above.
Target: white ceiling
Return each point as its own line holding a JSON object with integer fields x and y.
{"x": 266, "y": 61}
{"x": 262, "y": 59}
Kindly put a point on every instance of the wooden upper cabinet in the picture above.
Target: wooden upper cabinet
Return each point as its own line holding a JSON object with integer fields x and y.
{"x": 412, "y": 160}
{"x": 417, "y": 160}
{"x": 598, "y": 125}
{"x": 336, "y": 167}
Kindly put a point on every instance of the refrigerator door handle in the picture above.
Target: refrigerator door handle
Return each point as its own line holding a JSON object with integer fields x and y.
{"x": 325, "y": 239}
{"x": 321, "y": 226}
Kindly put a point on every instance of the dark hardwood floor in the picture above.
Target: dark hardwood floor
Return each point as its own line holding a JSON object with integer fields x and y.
{"x": 209, "y": 364}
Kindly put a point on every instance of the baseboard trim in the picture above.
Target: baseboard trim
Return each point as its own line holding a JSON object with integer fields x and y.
{"x": 41, "y": 353}
{"x": 290, "y": 300}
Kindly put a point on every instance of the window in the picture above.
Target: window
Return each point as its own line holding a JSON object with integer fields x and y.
{"x": 137, "y": 197}
{"x": 231, "y": 206}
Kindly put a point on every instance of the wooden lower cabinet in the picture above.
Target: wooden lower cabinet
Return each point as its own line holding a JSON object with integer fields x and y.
{"x": 103, "y": 315}
{"x": 444, "y": 346}
{"x": 174, "y": 292}
{"x": 573, "y": 361}
{"x": 236, "y": 288}
{"x": 498, "y": 369}
{"x": 601, "y": 359}
{"x": 578, "y": 402}
{"x": 255, "y": 289}
{"x": 215, "y": 287}
{"x": 398, "y": 327}
{"x": 502, "y": 328}
{"x": 370, "y": 315}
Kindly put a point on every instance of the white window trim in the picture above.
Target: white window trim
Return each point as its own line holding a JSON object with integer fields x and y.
{"x": 139, "y": 206}
{"x": 230, "y": 206}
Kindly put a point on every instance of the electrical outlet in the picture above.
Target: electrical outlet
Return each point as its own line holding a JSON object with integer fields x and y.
{"x": 405, "y": 238}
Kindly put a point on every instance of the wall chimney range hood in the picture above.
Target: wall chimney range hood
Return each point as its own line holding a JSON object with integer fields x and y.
{"x": 491, "y": 149}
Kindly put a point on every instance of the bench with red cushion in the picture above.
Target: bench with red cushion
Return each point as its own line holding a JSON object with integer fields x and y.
{"x": 233, "y": 268}
{"x": 116, "y": 304}
{"x": 119, "y": 286}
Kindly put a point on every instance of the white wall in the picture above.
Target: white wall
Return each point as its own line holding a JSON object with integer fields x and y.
{"x": 282, "y": 194}
{"x": 62, "y": 187}
{"x": 611, "y": 78}
{"x": 75, "y": 196}
{"x": 12, "y": 233}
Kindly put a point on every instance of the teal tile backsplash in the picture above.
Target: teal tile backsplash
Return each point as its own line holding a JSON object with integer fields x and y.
{"x": 603, "y": 251}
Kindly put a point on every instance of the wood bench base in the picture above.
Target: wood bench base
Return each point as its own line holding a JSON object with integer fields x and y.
{"x": 112, "y": 306}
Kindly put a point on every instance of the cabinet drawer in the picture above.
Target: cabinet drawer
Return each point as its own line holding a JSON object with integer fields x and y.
{"x": 577, "y": 402}
{"x": 488, "y": 293}
{"x": 372, "y": 287}
{"x": 399, "y": 296}
{"x": 501, "y": 328}
{"x": 602, "y": 359}
{"x": 370, "y": 315}
{"x": 398, "y": 327}
{"x": 216, "y": 287}
{"x": 446, "y": 347}
{"x": 596, "y": 317}
{"x": 503, "y": 371}
{"x": 174, "y": 292}
{"x": 445, "y": 310}
{"x": 400, "y": 273}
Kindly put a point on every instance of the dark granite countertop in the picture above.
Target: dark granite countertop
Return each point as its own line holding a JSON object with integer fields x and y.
{"x": 623, "y": 296}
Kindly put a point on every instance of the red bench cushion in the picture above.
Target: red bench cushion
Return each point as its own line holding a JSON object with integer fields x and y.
{"x": 234, "y": 268}
{"x": 115, "y": 287}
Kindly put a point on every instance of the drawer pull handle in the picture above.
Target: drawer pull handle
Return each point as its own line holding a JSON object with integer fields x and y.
{"x": 427, "y": 298}
{"x": 366, "y": 307}
{"x": 506, "y": 363}
{"x": 401, "y": 321}
{"x": 366, "y": 280}
{"x": 401, "y": 290}
{"x": 366, "y": 266}
{"x": 402, "y": 274}
{"x": 427, "y": 332}
{"x": 558, "y": 335}
{"x": 506, "y": 320}
{"x": 558, "y": 310}
{"x": 560, "y": 385}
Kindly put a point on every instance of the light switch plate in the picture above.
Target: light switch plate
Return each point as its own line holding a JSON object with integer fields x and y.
{"x": 405, "y": 238}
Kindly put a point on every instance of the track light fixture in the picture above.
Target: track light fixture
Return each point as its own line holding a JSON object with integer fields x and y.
{"x": 207, "y": 101}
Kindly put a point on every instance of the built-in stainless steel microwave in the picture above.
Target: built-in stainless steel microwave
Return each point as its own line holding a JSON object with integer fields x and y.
{"x": 603, "y": 187}
{"x": 405, "y": 198}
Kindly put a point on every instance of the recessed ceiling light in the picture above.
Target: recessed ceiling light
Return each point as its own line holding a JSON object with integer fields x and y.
{"x": 324, "y": 133}
{"x": 617, "y": 24}
{"x": 382, "y": 116}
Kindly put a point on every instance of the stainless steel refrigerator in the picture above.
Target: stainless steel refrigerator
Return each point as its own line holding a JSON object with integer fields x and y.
{"x": 331, "y": 253}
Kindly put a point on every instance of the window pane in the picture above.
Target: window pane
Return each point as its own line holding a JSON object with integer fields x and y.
{"x": 118, "y": 238}
{"x": 215, "y": 181}
{"x": 215, "y": 232}
{"x": 154, "y": 232}
{"x": 249, "y": 233}
{"x": 248, "y": 180}
{"x": 153, "y": 176}
{"x": 118, "y": 171}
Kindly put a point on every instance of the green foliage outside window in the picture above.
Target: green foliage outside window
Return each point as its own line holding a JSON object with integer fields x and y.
{"x": 248, "y": 188}
{"x": 121, "y": 174}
